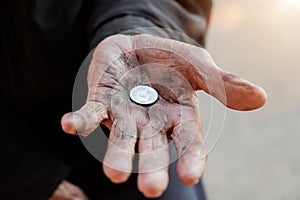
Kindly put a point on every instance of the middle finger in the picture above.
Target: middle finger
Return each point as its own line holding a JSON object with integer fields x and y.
{"x": 153, "y": 163}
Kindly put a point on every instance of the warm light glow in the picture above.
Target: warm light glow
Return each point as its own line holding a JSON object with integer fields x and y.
{"x": 228, "y": 17}
{"x": 290, "y": 4}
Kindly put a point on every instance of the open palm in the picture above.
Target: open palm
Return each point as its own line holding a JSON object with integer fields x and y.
{"x": 176, "y": 70}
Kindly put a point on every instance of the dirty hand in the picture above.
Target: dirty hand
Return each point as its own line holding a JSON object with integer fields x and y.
{"x": 176, "y": 70}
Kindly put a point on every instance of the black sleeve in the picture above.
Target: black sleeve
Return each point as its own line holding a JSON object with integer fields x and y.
{"x": 28, "y": 169}
{"x": 41, "y": 172}
{"x": 186, "y": 16}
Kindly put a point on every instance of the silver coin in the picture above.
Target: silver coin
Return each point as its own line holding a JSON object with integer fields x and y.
{"x": 143, "y": 95}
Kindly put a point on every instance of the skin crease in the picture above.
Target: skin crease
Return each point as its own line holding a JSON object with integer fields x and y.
{"x": 176, "y": 70}
{"x": 68, "y": 191}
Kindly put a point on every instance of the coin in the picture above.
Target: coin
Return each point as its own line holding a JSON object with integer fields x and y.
{"x": 143, "y": 95}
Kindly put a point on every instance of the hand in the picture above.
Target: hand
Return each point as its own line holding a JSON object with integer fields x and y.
{"x": 176, "y": 70}
{"x": 68, "y": 191}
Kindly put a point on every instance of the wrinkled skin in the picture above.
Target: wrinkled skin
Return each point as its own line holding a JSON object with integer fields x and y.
{"x": 68, "y": 191}
{"x": 176, "y": 70}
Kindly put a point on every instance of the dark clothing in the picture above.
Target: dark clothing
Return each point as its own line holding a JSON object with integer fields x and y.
{"x": 43, "y": 43}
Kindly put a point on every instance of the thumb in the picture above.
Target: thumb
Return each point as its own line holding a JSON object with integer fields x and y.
{"x": 85, "y": 120}
{"x": 231, "y": 90}
{"x": 242, "y": 94}
{"x": 202, "y": 72}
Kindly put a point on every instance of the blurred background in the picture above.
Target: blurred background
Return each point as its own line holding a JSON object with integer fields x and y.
{"x": 258, "y": 154}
